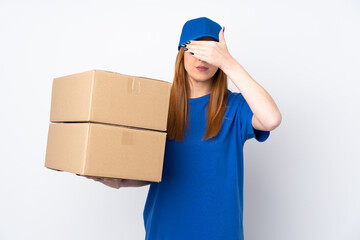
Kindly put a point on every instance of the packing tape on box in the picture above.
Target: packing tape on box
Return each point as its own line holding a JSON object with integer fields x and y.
{"x": 133, "y": 85}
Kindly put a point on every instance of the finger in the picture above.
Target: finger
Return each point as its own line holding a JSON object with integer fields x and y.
{"x": 221, "y": 35}
{"x": 90, "y": 177}
{"x": 197, "y": 47}
{"x": 200, "y": 55}
{"x": 96, "y": 178}
{"x": 200, "y": 43}
{"x": 206, "y": 45}
{"x": 197, "y": 51}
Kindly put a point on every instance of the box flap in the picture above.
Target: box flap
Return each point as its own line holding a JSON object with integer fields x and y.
{"x": 71, "y": 97}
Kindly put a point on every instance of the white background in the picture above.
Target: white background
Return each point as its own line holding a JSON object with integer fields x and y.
{"x": 302, "y": 183}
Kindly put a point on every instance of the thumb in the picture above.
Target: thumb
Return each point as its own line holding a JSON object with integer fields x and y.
{"x": 221, "y": 35}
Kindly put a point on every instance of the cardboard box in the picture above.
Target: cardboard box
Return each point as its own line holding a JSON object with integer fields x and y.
{"x": 108, "y": 124}
{"x": 109, "y": 97}
{"x": 104, "y": 150}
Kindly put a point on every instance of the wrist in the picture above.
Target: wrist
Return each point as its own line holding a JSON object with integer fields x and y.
{"x": 229, "y": 64}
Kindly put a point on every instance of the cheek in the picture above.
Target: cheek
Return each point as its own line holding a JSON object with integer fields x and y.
{"x": 188, "y": 57}
{"x": 188, "y": 61}
{"x": 213, "y": 70}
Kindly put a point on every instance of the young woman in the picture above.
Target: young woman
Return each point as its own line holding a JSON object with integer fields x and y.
{"x": 201, "y": 192}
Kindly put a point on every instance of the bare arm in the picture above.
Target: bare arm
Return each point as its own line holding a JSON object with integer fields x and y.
{"x": 266, "y": 113}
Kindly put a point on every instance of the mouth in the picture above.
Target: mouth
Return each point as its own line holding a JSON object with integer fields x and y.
{"x": 201, "y": 68}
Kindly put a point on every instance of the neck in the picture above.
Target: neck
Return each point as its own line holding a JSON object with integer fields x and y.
{"x": 200, "y": 88}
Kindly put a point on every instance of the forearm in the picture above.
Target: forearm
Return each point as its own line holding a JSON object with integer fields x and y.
{"x": 259, "y": 100}
{"x": 133, "y": 183}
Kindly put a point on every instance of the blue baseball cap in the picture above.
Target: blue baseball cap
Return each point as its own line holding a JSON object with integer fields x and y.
{"x": 197, "y": 28}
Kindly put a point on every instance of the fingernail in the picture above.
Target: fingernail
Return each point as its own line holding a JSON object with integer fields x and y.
{"x": 185, "y": 49}
{"x": 188, "y": 42}
{"x": 224, "y": 28}
{"x": 183, "y": 45}
{"x": 191, "y": 53}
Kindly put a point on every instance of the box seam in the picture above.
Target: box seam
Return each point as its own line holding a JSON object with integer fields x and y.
{"x": 86, "y": 149}
{"x": 91, "y": 93}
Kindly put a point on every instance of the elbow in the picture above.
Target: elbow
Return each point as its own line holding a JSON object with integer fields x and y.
{"x": 274, "y": 123}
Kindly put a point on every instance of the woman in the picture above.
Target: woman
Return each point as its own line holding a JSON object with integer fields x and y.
{"x": 201, "y": 192}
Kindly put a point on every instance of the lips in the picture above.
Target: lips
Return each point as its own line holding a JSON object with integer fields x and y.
{"x": 201, "y": 68}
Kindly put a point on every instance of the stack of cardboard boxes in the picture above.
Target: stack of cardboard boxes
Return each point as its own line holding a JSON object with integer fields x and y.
{"x": 109, "y": 125}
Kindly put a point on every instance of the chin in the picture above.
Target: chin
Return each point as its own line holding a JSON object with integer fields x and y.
{"x": 202, "y": 77}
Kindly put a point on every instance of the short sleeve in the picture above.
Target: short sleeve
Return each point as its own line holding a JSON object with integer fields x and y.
{"x": 244, "y": 117}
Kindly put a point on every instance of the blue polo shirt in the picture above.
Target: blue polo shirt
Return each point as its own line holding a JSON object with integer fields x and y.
{"x": 200, "y": 195}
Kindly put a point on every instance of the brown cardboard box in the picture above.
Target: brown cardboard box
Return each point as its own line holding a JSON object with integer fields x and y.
{"x": 96, "y": 149}
{"x": 108, "y": 124}
{"x": 109, "y": 97}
